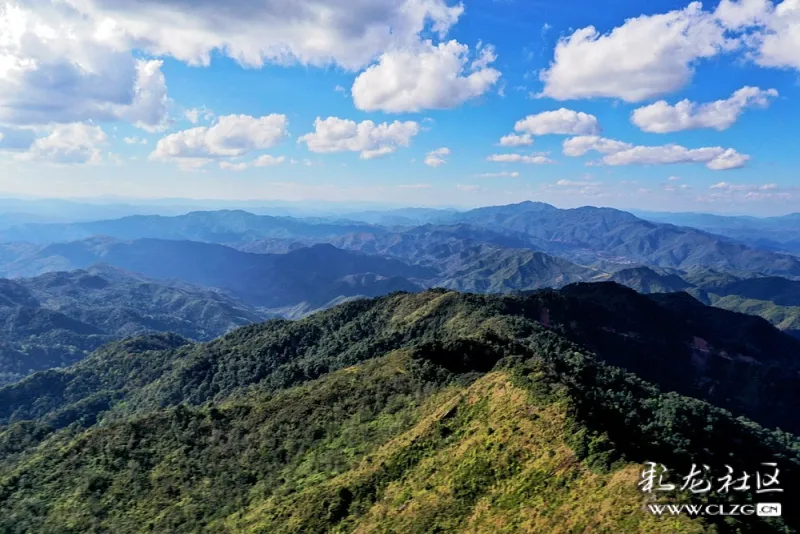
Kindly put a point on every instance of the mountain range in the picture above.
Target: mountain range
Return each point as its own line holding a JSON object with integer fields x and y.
{"x": 598, "y": 237}
{"x": 426, "y": 412}
{"x": 780, "y": 234}
{"x": 56, "y": 319}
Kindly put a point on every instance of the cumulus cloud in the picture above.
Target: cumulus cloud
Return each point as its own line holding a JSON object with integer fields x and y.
{"x": 661, "y": 117}
{"x": 57, "y": 67}
{"x": 76, "y": 143}
{"x": 425, "y": 76}
{"x": 194, "y": 115}
{"x": 231, "y": 136}
{"x": 81, "y": 60}
{"x": 349, "y": 33}
{"x": 268, "y": 161}
{"x": 772, "y": 29}
{"x": 135, "y": 140}
{"x": 371, "y": 140}
{"x": 561, "y": 121}
{"x": 725, "y": 186}
{"x": 580, "y": 145}
{"x": 646, "y": 57}
{"x": 436, "y": 158}
{"x": 534, "y": 159}
{"x": 265, "y": 160}
{"x": 514, "y": 140}
{"x": 620, "y": 153}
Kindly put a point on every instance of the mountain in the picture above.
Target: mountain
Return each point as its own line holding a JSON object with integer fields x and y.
{"x": 601, "y": 237}
{"x": 646, "y": 280}
{"x": 780, "y": 234}
{"x": 429, "y": 412}
{"x": 56, "y": 319}
{"x": 206, "y": 226}
{"x": 773, "y": 298}
{"x": 312, "y": 275}
{"x": 586, "y": 235}
{"x": 455, "y": 257}
{"x": 786, "y": 318}
{"x": 402, "y": 217}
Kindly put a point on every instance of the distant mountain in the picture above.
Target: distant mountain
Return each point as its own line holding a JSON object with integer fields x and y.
{"x": 56, "y": 319}
{"x": 309, "y": 275}
{"x": 646, "y": 280}
{"x": 206, "y": 226}
{"x": 403, "y": 217}
{"x": 588, "y": 234}
{"x": 600, "y": 237}
{"x": 428, "y": 412}
{"x": 770, "y": 233}
{"x": 773, "y": 298}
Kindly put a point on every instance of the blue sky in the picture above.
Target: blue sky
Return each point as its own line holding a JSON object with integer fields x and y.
{"x": 154, "y": 99}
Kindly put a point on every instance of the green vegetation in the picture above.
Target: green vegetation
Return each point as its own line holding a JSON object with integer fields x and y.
{"x": 57, "y": 319}
{"x": 432, "y": 412}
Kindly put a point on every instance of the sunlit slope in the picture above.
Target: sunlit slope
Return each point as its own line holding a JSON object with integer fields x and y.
{"x": 432, "y": 412}
{"x": 390, "y": 445}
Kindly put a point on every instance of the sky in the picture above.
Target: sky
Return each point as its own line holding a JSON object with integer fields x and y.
{"x": 663, "y": 105}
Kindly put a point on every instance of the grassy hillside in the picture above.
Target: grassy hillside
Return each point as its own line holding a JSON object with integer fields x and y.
{"x": 432, "y": 412}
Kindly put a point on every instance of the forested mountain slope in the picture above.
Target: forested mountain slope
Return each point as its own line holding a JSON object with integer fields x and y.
{"x": 58, "y": 318}
{"x": 419, "y": 412}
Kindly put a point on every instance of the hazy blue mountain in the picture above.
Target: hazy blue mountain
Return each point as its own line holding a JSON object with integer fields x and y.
{"x": 588, "y": 234}
{"x": 264, "y": 280}
{"x": 56, "y": 319}
{"x": 207, "y": 226}
{"x": 772, "y": 298}
{"x": 403, "y": 217}
{"x": 771, "y": 233}
{"x": 647, "y": 280}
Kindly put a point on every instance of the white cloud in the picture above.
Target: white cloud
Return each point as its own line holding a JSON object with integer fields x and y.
{"x": 772, "y": 30}
{"x": 268, "y": 161}
{"x": 194, "y": 115}
{"x": 436, "y": 158}
{"x": 674, "y": 179}
{"x": 715, "y": 158}
{"x": 425, "y": 76}
{"x": 580, "y": 145}
{"x": 135, "y": 140}
{"x": 265, "y": 160}
{"x": 646, "y": 57}
{"x": 561, "y": 121}
{"x": 371, "y": 140}
{"x": 76, "y": 143}
{"x": 58, "y": 67}
{"x": 350, "y": 33}
{"x": 231, "y": 136}
{"x": 513, "y": 140}
{"x": 535, "y": 159}
{"x": 503, "y": 174}
{"x": 660, "y": 117}
{"x": 620, "y": 153}
{"x": 725, "y": 186}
